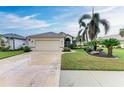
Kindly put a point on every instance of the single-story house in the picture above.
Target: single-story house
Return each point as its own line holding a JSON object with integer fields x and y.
{"x": 13, "y": 40}
{"x": 49, "y": 41}
{"x": 117, "y": 36}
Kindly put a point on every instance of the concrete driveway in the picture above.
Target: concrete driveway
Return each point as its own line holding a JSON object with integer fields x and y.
{"x": 78, "y": 78}
{"x": 39, "y": 69}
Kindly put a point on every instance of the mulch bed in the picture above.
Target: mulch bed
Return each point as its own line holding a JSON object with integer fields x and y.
{"x": 102, "y": 54}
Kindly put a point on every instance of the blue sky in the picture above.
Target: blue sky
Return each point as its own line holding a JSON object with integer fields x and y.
{"x": 27, "y": 20}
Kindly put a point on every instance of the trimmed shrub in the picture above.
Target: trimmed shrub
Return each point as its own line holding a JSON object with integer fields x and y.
{"x": 4, "y": 48}
{"x": 21, "y": 48}
{"x": 72, "y": 46}
{"x": 66, "y": 49}
{"x": 79, "y": 46}
{"x": 103, "y": 46}
{"x": 88, "y": 50}
{"x": 26, "y": 49}
{"x": 118, "y": 46}
{"x": 100, "y": 50}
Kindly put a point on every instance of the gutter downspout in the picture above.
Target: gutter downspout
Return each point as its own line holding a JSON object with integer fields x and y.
{"x": 13, "y": 44}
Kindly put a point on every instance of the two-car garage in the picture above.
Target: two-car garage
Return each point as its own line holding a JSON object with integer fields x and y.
{"x": 47, "y": 45}
{"x": 46, "y": 42}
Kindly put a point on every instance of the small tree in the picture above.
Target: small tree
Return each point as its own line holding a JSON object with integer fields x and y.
{"x": 79, "y": 39}
{"x": 121, "y": 32}
{"x": 94, "y": 44}
{"x": 109, "y": 43}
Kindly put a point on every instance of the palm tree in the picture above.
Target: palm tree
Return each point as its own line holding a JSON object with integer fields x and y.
{"x": 91, "y": 30}
{"x": 84, "y": 35}
{"x": 109, "y": 43}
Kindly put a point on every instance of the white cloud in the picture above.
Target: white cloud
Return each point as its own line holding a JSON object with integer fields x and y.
{"x": 104, "y": 9}
{"x": 65, "y": 15}
{"x": 75, "y": 12}
{"x": 11, "y": 21}
{"x": 67, "y": 21}
{"x": 71, "y": 28}
{"x": 30, "y": 16}
{"x": 114, "y": 15}
{"x": 69, "y": 13}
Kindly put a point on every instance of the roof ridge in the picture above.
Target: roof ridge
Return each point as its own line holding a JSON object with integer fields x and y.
{"x": 14, "y": 35}
{"x": 47, "y": 34}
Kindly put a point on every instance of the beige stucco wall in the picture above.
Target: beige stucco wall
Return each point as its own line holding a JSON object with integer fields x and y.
{"x": 32, "y": 42}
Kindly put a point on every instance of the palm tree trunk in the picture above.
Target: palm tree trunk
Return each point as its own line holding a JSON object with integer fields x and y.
{"x": 95, "y": 47}
{"x": 86, "y": 36}
{"x": 110, "y": 51}
{"x": 80, "y": 42}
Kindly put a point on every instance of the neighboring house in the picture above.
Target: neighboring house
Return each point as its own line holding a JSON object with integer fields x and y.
{"x": 13, "y": 40}
{"x": 117, "y": 36}
{"x": 78, "y": 43}
{"x": 49, "y": 41}
{"x": 3, "y": 41}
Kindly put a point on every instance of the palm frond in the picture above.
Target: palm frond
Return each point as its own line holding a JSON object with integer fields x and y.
{"x": 83, "y": 17}
{"x": 106, "y": 25}
{"x": 84, "y": 35}
{"x": 96, "y": 16}
{"x": 82, "y": 24}
{"x": 79, "y": 32}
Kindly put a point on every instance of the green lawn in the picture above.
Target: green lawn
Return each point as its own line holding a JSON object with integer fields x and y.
{"x": 117, "y": 52}
{"x": 80, "y": 60}
{"x": 10, "y": 53}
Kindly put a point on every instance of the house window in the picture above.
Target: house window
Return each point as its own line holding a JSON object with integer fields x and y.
{"x": 2, "y": 43}
{"x": 29, "y": 39}
{"x": 32, "y": 41}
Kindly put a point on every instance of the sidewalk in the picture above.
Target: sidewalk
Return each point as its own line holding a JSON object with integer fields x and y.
{"x": 76, "y": 78}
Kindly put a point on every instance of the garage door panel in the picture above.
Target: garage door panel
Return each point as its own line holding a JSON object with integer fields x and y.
{"x": 47, "y": 45}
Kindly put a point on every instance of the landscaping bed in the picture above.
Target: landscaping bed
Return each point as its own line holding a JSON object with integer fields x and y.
{"x": 101, "y": 54}
{"x": 80, "y": 60}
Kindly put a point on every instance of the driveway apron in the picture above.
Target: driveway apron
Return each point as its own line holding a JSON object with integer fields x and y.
{"x": 38, "y": 69}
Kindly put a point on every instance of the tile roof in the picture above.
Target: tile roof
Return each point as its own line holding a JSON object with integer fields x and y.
{"x": 47, "y": 34}
{"x": 117, "y": 36}
{"x": 12, "y": 35}
{"x": 62, "y": 33}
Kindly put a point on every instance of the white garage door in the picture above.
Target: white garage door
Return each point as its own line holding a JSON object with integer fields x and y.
{"x": 47, "y": 45}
